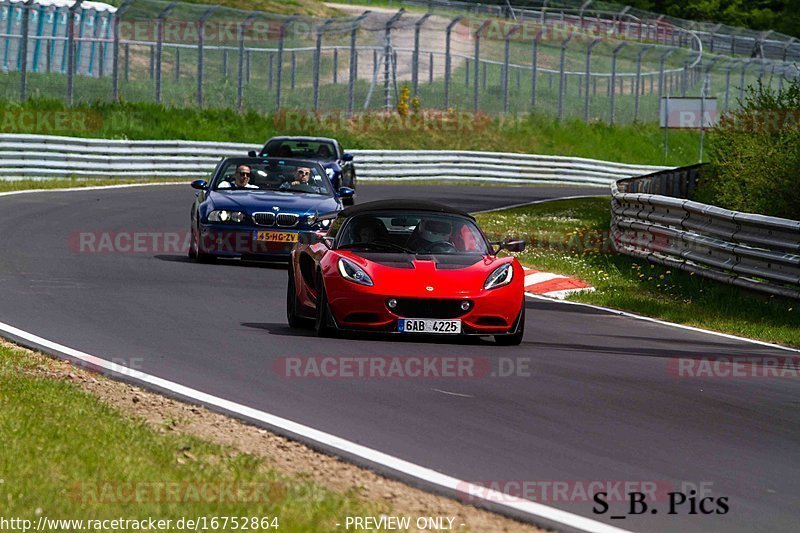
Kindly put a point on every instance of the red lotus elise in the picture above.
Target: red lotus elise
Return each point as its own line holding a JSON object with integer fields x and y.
{"x": 406, "y": 267}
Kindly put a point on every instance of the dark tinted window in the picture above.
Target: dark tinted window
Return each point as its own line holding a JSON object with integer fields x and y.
{"x": 322, "y": 150}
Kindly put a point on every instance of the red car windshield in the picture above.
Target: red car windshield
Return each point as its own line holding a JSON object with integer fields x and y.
{"x": 410, "y": 232}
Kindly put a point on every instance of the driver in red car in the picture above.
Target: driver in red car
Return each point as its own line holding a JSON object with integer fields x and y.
{"x": 429, "y": 233}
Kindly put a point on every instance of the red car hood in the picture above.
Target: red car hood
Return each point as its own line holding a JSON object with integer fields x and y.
{"x": 410, "y": 276}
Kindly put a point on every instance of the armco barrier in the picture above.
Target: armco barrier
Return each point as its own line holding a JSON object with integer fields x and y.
{"x": 43, "y": 156}
{"x": 653, "y": 218}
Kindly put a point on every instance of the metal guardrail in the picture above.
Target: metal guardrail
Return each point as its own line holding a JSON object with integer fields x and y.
{"x": 43, "y": 156}
{"x": 653, "y": 218}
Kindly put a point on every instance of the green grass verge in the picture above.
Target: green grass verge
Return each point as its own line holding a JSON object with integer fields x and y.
{"x": 60, "y": 444}
{"x": 636, "y": 144}
{"x": 571, "y": 237}
{"x": 24, "y": 185}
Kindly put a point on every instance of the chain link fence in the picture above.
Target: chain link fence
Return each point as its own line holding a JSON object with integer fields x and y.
{"x": 198, "y": 55}
{"x": 629, "y": 21}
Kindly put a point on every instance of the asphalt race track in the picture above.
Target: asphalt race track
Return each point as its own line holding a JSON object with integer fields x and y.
{"x": 600, "y": 400}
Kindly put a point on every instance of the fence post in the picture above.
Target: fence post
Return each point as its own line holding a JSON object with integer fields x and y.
{"x": 387, "y": 58}
{"x": 335, "y": 65}
{"x": 506, "y": 64}
{"x": 561, "y": 77}
{"x": 52, "y": 44}
{"x": 279, "y": 74}
{"x": 535, "y": 65}
{"x": 115, "y": 59}
{"x": 71, "y": 49}
{"x": 613, "y": 83}
{"x": 583, "y": 8}
{"x": 242, "y": 28}
{"x": 318, "y": 60}
{"x": 354, "y": 62}
{"x": 477, "y": 64}
{"x": 728, "y": 69}
{"x": 201, "y": 41}
{"x": 23, "y": 50}
{"x": 270, "y": 67}
{"x": 447, "y": 59}
{"x": 293, "y": 73}
{"x": 160, "y": 45}
{"x": 415, "y": 58}
{"x": 638, "y": 80}
{"x": 685, "y": 79}
{"x": 662, "y": 81}
{"x": 741, "y": 81}
{"x": 586, "y": 97}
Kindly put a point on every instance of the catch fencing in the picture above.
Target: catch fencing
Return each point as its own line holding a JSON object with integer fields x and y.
{"x": 653, "y": 218}
{"x": 630, "y": 22}
{"x": 592, "y": 68}
{"x": 43, "y": 157}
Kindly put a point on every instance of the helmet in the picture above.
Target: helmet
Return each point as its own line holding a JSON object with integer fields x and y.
{"x": 435, "y": 230}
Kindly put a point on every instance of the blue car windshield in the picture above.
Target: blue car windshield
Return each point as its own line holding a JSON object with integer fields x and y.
{"x": 289, "y": 176}
{"x": 302, "y": 149}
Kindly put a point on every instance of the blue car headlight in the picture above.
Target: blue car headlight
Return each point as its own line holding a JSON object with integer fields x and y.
{"x": 312, "y": 220}
{"x": 501, "y": 276}
{"x": 226, "y": 217}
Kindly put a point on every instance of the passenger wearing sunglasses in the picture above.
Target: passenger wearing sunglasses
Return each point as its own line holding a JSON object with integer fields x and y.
{"x": 241, "y": 179}
{"x": 301, "y": 181}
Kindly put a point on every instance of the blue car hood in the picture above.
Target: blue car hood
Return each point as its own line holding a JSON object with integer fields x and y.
{"x": 257, "y": 201}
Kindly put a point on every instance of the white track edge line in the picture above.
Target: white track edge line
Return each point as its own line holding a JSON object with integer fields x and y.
{"x": 665, "y": 323}
{"x": 408, "y": 468}
{"x": 542, "y": 201}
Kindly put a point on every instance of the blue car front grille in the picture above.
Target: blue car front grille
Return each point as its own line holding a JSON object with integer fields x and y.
{"x": 287, "y": 220}
{"x": 264, "y": 219}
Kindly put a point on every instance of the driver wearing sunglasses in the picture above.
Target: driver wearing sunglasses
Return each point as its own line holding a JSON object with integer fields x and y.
{"x": 241, "y": 179}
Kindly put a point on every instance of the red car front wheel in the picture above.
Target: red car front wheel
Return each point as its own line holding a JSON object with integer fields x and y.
{"x": 323, "y": 323}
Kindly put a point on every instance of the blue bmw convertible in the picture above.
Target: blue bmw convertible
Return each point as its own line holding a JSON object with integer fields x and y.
{"x": 258, "y": 207}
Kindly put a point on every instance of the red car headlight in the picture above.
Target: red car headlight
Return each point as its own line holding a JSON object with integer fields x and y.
{"x": 352, "y": 272}
{"x": 501, "y": 276}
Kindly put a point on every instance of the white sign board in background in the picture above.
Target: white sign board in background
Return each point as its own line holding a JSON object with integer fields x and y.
{"x": 685, "y": 112}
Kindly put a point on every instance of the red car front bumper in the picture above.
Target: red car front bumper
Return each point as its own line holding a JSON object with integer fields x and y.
{"x": 359, "y": 307}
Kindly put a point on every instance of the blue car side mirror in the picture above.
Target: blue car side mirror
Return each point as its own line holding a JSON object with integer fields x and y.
{"x": 347, "y": 157}
{"x": 252, "y": 153}
{"x": 200, "y": 185}
{"x": 346, "y": 192}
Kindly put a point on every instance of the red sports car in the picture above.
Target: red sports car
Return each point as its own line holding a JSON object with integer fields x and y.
{"x": 406, "y": 267}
